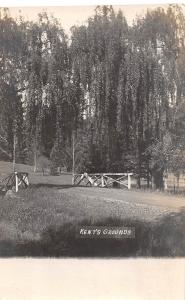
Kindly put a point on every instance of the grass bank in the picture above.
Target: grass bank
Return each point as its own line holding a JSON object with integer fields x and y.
{"x": 42, "y": 222}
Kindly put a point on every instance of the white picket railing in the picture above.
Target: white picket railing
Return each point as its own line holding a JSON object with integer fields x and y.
{"x": 103, "y": 179}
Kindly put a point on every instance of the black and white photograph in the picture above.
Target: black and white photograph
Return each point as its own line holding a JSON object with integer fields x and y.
{"x": 92, "y": 131}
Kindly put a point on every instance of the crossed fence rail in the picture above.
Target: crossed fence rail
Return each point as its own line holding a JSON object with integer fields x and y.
{"x": 103, "y": 179}
{"x": 15, "y": 179}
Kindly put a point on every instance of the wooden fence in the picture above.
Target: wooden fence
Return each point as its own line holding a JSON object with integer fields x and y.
{"x": 16, "y": 180}
{"x": 175, "y": 183}
{"x": 103, "y": 179}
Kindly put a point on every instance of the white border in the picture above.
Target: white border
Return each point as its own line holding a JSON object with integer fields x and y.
{"x": 28, "y": 3}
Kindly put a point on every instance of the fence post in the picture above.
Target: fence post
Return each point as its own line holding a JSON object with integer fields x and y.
{"x": 16, "y": 182}
{"x": 73, "y": 179}
{"x": 129, "y": 182}
{"x": 102, "y": 181}
{"x": 165, "y": 184}
{"x": 28, "y": 181}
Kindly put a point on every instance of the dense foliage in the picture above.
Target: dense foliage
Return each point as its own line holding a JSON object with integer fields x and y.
{"x": 114, "y": 92}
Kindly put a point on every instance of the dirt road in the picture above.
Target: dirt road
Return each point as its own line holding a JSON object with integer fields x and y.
{"x": 129, "y": 203}
{"x": 135, "y": 197}
{"x": 123, "y": 203}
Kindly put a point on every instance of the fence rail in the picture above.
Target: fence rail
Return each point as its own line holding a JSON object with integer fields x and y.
{"x": 16, "y": 180}
{"x": 103, "y": 179}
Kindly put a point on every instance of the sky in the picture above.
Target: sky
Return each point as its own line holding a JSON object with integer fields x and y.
{"x": 78, "y": 15}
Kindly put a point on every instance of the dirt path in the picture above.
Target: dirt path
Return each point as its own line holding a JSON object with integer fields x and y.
{"x": 133, "y": 197}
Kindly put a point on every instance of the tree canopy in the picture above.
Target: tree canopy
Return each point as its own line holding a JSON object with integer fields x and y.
{"x": 118, "y": 89}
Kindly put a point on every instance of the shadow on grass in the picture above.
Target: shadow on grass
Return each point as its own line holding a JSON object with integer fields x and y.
{"x": 50, "y": 185}
{"x": 58, "y": 186}
{"x": 165, "y": 238}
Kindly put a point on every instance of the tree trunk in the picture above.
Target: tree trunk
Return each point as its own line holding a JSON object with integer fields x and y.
{"x": 35, "y": 157}
{"x": 158, "y": 178}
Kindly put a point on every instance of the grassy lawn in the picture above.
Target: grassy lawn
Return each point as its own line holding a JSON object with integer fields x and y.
{"x": 7, "y": 168}
{"x": 27, "y": 214}
{"x": 44, "y": 220}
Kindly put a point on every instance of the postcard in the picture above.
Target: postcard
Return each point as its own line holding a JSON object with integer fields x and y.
{"x": 92, "y": 148}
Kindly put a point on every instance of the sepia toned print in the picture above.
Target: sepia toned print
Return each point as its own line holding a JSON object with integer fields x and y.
{"x": 92, "y": 124}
